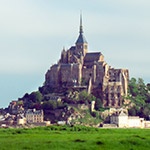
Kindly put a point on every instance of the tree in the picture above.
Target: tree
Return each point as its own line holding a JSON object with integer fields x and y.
{"x": 26, "y": 95}
{"x": 133, "y": 87}
{"x": 139, "y": 95}
{"x": 98, "y": 93}
{"x": 83, "y": 96}
{"x": 36, "y": 97}
{"x": 49, "y": 105}
{"x": 93, "y": 98}
{"x": 84, "y": 82}
{"x": 98, "y": 104}
{"x": 95, "y": 114}
{"x": 132, "y": 111}
{"x": 20, "y": 103}
{"x": 148, "y": 86}
{"x": 28, "y": 104}
{"x": 60, "y": 104}
{"x": 137, "y": 91}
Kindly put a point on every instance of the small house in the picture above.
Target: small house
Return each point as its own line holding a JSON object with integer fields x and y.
{"x": 34, "y": 116}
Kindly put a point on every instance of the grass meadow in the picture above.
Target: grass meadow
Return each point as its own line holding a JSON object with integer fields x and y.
{"x": 74, "y": 138}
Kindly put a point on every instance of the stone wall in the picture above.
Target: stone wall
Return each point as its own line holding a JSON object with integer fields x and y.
{"x": 73, "y": 67}
{"x": 63, "y": 75}
{"x": 52, "y": 76}
{"x": 69, "y": 73}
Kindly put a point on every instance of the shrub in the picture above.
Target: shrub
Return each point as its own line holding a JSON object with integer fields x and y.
{"x": 95, "y": 114}
{"x": 98, "y": 104}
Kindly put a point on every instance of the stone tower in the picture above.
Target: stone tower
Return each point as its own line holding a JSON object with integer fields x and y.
{"x": 81, "y": 43}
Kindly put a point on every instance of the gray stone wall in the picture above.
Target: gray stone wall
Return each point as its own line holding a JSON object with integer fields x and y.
{"x": 69, "y": 73}
{"x": 72, "y": 67}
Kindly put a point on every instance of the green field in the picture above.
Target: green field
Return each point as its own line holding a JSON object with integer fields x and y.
{"x": 74, "y": 138}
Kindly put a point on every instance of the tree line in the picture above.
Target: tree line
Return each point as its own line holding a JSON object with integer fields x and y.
{"x": 139, "y": 96}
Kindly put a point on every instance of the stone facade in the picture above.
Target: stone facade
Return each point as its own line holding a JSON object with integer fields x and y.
{"x": 122, "y": 120}
{"x": 77, "y": 65}
{"x": 34, "y": 116}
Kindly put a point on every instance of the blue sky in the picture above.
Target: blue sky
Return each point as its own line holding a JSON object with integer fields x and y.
{"x": 33, "y": 33}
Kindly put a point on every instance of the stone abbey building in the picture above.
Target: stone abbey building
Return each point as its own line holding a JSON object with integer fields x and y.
{"x": 77, "y": 67}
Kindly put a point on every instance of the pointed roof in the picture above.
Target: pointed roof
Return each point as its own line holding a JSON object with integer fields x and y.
{"x": 81, "y": 39}
{"x": 122, "y": 114}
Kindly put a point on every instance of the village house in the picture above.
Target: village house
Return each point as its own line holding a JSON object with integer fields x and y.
{"x": 15, "y": 108}
{"x": 122, "y": 120}
{"x": 34, "y": 116}
{"x": 21, "y": 120}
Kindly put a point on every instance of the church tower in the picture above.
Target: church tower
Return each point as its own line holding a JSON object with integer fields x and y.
{"x": 81, "y": 43}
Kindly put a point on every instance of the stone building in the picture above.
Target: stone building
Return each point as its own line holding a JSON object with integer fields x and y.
{"x": 77, "y": 67}
{"x": 122, "y": 120}
{"x": 21, "y": 120}
{"x": 34, "y": 116}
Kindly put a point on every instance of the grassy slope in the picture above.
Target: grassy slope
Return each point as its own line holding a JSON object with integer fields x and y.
{"x": 65, "y": 139}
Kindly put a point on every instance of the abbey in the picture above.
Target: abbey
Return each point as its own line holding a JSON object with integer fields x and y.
{"x": 78, "y": 67}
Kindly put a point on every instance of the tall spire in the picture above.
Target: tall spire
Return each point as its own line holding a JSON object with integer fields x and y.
{"x": 81, "y": 38}
{"x": 81, "y": 27}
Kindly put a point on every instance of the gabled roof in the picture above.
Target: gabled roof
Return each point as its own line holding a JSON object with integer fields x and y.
{"x": 73, "y": 48}
{"x": 123, "y": 114}
{"x": 94, "y": 54}
{"x": 91, "y": 57}
{"x": 81, "y": 39}
{"x": 34, "y": 111}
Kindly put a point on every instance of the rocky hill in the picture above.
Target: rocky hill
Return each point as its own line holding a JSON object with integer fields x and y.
{"x": 80, "y": 87}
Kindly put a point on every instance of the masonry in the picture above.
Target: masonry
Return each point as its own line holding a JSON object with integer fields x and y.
{"x": 77, "y": 66}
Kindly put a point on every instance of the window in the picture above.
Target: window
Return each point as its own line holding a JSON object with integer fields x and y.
{"x": 85, "y": 46}
{"x": 112, "y": 89}
{"x": 80, "y": 46}
{"x": 118, "y": 89}
{"x": 118, "y": 95}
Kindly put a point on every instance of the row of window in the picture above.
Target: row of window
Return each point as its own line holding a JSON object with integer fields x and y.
{"x": 112, "y": 96}
{"x": 113, "y": 102}
{"x": 113, "y": 89}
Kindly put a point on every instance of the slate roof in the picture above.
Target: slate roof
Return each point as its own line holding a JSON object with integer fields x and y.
{"x": 81, "y": 39}
{"x": 122, "y": 114}
{"x": 32, "y": 111}
{"x": 91, "y": 57}
{"x": 73, "y": 48}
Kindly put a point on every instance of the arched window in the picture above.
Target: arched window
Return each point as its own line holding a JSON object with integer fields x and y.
{"x": 118, "y": 95}
{"x": 85, "y": 46}
{"x": 118, "y": 89}
{"x": 112, "y": 89}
